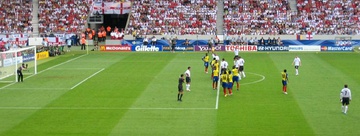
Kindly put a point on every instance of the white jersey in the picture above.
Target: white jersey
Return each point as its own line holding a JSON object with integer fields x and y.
{"x": 241, "y": 62}
{"x": 236, "y": 51}
{"x": 297, "y": 61}
{"x": 216, "y": 57}
{"x": 224, "y": 64}
{"x": 345, "y": 92}
{"x": 187, "y": 73}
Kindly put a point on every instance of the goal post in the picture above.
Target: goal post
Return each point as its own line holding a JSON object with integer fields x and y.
{"x": 11, "y": 60}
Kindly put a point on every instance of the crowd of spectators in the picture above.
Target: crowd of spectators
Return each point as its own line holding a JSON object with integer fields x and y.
{"x": 177, "y": 17}
{"x": 327, "y": 17}
{"x": 63, "y": 15}
{"x": 258, "y": 17}
{"x": 15, "y": 16}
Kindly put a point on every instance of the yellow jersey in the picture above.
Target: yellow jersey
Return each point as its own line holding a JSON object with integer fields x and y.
{"x": 224, "y": 78}
{"x": 230, "y": 78}
{"x": 216, "y": 65}
{"x": 216, "y": 72}
{"x": 235, "y": 72}
{"x": 206, "y": 58}
{"x": 284, "y": 76}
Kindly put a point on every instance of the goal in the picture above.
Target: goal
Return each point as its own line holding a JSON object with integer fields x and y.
{"x": 11, "y": 60}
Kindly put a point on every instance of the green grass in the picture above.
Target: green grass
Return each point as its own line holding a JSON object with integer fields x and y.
{"x": 116, "y": 93}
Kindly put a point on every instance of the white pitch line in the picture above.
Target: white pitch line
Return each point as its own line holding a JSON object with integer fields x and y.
{"x": 262, "y": 79}
{"x": 45, "y": 70}
{"x": 75, "y": 68}
{"x": 96, "y": 108}
{"x": 87, "y": 78}
{"x": 37, "y": 88}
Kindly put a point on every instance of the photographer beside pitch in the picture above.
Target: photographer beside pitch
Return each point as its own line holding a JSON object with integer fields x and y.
{"x": 20, "y": 74}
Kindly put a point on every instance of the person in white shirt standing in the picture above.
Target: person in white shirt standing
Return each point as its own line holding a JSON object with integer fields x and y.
{"x": 188, "y": 79}
{"x": 236, "y": 51}
{"x": 224, "y": 65}
{"x": 241, "y": 63}
{"x": 345, "y": 98}
{"x": 297, "y": 64}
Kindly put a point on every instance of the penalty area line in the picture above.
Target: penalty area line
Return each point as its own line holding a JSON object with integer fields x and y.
{"x": 87, "y": 78}
{"x": 96, "y": 108}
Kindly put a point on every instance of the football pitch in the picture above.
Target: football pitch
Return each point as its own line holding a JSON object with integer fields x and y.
{"x": 135, "y": 93}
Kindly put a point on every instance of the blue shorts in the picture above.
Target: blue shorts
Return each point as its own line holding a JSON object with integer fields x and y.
{"x": 284, "y": 82}
{"x": 230, "y": 85}
{"x": 224, "y": 85}
{"x": 206, "y": 64}
{"x": 215, "y": 78}
{"x": 235, "y": 78}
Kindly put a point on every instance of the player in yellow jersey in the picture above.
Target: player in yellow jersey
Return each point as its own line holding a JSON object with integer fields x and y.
{"x": 235, "y": 74}
{"x": 212, "y": 68}
{"x": 285, "y": 79}
{"x": 230, "y": 82}
{"x": 224, "y": 82}
{"x": 206, "y": 62}
{"x": 215, "y": 78}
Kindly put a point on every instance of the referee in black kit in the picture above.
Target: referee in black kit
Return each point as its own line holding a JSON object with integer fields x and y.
{"x": 20, "y": 74}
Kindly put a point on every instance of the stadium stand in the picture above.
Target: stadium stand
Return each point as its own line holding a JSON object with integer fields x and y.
{"x": 329, "y": 16}
{"x": 173, "y": 17}
{"x": 249, "y": 17}
{"x": 63, "y": 15}
{"x": 275, "y": 17}
{"x": 15, "y": 16}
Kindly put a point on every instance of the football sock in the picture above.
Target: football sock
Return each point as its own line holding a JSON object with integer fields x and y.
{"x": 342, "y": 108}
{"x": 243, "y": 73}
{"x": 346, "y": 108}
{"x": 181, "y": 96}
{"x": 188, "y": 86}
{"x": 224, "y": 91}
{"x": 178, "y": 96}
{"x": 297, "y": 71}
{"x": 237, "y": 85}
{"x": 230, "y": 91}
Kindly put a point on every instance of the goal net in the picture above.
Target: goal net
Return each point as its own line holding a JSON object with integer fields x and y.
{"x": 11, "y": 60}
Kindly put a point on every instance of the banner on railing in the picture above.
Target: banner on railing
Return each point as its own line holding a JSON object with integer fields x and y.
{"x": 111, "y": 7}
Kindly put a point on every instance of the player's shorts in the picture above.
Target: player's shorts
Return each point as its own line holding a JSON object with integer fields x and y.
{"x": 284, "y": 82}
{"x": 69, "y": 46}
{"x": 180, "y": 88}
{"x": 215, "y": 78}
{"x": 235, "y": 78}
{"x": 230, "y": 85}
{"x": 345, "y": 101}
{"x": 296, "y": 67}
{"x": 241, "y": 68}
{"x": 206, "y": 64}
{"x": 224, "y": 85}
{"x": 187, "y": 80}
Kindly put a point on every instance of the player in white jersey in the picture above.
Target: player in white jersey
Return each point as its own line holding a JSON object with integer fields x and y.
{"x": 224, "y": 65}
{"x": 216, "y": 57}
{"x": 187, "y": 79}
{"x": 345, "y": 98}
{"x": 297, "y": 64}
{"x": 241, "y": 63}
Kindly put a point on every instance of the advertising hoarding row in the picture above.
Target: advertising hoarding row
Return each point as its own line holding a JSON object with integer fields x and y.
{"x": 241, "y": 48}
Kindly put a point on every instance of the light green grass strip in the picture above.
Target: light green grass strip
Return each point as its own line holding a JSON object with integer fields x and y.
{"x": 195, "y": 115}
